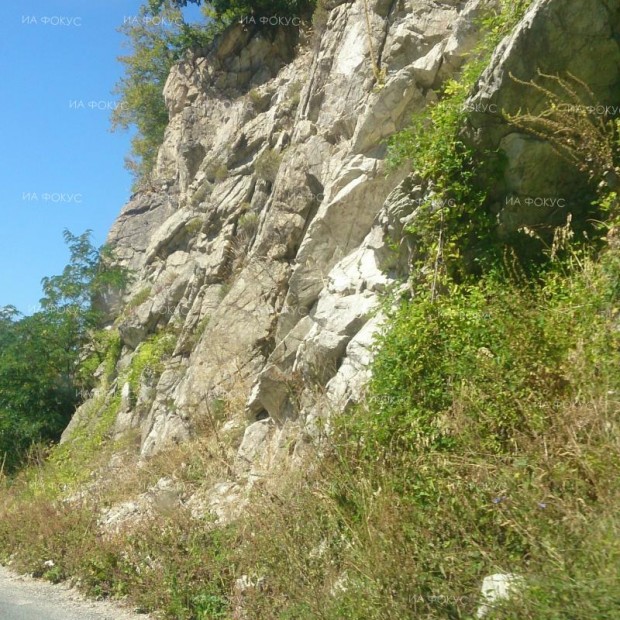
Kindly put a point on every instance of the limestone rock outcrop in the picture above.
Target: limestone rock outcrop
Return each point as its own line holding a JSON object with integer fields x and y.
{"x": 560, "y": 39}
{"x": 264, "y": 241}
{"x": 266, "y": 218}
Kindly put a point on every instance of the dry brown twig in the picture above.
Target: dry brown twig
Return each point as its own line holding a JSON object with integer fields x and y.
{"x": 573, "y": 122}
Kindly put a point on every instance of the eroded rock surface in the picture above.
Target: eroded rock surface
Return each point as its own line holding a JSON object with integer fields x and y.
{"x": 267, "y": 212}
{"x": 263, "y": 242}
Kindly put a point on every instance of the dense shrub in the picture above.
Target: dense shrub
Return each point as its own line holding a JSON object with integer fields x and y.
{"x": 453, "y": 228}
{"x": 41, "y": 380}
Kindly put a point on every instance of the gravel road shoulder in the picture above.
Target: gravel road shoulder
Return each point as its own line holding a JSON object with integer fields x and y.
{"x": 24, "y": 598}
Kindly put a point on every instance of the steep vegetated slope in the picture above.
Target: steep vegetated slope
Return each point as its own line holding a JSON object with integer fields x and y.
{"x": 364, "y": 362}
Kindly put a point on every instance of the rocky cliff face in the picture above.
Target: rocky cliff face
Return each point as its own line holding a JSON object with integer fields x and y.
{"x": 572, "y": 38}
{"x": 263, "y": 242}
{"x": 265, "y": 217}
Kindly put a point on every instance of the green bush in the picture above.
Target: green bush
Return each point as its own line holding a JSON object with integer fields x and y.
{"x": 320, "y": 18}
{"x": 217, "y": 171}
{"x": 267, "y": 165}
{"x": 248, "y": 223}
{"x": 147, "y": 362}
{"x": 194, "y": 337}
{"x": 453, "y": 228}
{"x": 194, "y": 226}
{"x": 201, "y": 194}
{"x": 495, "y": 352}
{"x": 293, "y": 95}
{"x": 139, "y": 298}
{"x": 41, "y": 378}
{"x": 105, "y": 348}
{"x": 229, "y": 10}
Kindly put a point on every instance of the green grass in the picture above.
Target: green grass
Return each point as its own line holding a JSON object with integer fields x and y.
{"x": 489, "y": 444}
{"x": 489, "y": 441}
{"x": 453, "y": 227}
{"x": 139, "y": 298}
{"x": 147, "y": 364}
{"x": 166, "y": 564}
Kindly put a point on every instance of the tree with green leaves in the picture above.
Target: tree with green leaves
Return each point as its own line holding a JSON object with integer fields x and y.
{"x": 39, "y": 354}
{"x": 230, "y": 9}
{"x": 155, "y": 45}
{"x": 141, "y": 89}
{"x": 157, "y": 39}
{"x": 155, "y": 5}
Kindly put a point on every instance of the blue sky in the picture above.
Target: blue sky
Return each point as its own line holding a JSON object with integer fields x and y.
{"x": 60, "y": 166}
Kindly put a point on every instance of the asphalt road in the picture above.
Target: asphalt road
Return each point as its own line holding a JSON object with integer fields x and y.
{"x": 23, "y": 598}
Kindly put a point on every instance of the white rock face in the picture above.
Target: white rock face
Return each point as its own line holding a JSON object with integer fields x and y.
{"x": 162, "y": 498}
{"x": 495, "y": 588}
{"x": 267, "y": 216}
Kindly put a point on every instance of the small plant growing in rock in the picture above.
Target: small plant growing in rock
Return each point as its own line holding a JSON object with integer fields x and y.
{"x": 200, "y": 194}
{"x": 320, "y": 17}
{"x": 225, "y": 289}
{"x": 255, "y": 97}
{"x": 191, "y": 340}
{"x": 260, "y": 101}
{"x": 294, "y": 94}
{"x": 217, "y": 171}
{"x": 202, "y": 325}
{"x": 268, "y": 164}
{"x": 194, "y": 226}
{"x": 248, "y": 224}
{"x": 139, "y": 298}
